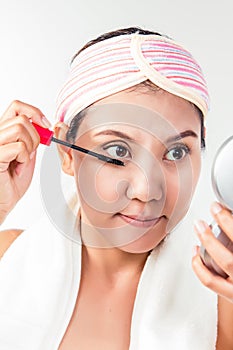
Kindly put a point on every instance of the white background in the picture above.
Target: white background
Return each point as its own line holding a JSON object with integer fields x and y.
{"x": 38, "y": 39}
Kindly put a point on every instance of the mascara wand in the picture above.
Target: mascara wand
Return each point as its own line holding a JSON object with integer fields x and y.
{"x": 46, "y": 137}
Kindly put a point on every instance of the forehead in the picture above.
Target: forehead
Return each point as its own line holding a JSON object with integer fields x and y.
{"x": 160, "y": 114}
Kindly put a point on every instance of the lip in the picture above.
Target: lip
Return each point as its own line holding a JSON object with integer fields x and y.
{"x": 140, "y": 222}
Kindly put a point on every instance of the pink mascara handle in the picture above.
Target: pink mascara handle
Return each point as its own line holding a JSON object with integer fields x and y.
{"x": 45, "y": 134}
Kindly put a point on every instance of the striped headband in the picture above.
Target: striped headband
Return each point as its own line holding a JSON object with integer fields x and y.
{"x": 124, "y": 61}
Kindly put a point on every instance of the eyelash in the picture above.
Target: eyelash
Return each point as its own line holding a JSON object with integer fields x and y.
{"x": 178, "y": 147}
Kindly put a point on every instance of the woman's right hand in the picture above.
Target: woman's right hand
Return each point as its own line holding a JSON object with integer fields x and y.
{"x": 18, "y": 143}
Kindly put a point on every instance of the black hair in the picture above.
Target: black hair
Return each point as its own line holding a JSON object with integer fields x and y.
{"x": 76, "y": 121}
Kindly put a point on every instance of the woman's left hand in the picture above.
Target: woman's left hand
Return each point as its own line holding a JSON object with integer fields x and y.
{"x": 224, "y": 259}
{"x": 220, "y": 254}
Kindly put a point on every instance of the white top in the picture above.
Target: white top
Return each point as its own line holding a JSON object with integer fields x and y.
{"x": 39, "y": 283}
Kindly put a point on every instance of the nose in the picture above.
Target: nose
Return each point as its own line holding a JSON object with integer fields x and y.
{"x": 147, "y": 180}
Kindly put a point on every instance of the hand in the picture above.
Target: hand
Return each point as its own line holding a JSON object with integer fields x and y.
{"x": 221, "y": 255}
{"x": 18, "y": 143}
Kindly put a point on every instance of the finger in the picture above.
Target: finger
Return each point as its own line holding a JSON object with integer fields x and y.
{"x": 14, "y": 151}
{"x": 219, "y": 285}
{"x": 17, "y": 108}
{"x": 218, "y": 252}
{"x": 20, "y": 131}
{"x": 224, "y": 218}
{"x": 23, "y": 121}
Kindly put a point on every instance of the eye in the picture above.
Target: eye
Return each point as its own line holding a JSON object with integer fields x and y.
{"x": 117, "y": 151}
{"x": 177, "y": 152}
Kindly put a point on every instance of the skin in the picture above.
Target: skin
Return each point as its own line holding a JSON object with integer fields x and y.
{"x": 223, "y": 287}
{"x": 116, "y": 267}
{"x": 18, "y": 142}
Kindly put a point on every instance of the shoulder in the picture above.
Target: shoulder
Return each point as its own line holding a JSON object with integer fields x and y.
{"x": 7, "y": 237}
{"x": 225, "y": 322}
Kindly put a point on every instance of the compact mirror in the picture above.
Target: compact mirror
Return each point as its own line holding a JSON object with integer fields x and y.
{"x": 222, "y": 182}
{"x": 222, "y": 174}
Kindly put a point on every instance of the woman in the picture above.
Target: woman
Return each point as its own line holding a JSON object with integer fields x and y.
{"x": 138, "y": 97}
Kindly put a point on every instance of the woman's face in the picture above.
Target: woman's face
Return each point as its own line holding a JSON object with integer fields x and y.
{"x": 157, "y": 136}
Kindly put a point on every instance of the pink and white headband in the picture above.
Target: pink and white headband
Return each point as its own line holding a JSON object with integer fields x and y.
{"x": 121, "y": 62}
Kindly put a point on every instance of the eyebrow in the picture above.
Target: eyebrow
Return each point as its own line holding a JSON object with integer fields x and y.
{"x": 182, "y": 135}
{"x": 115, "y": 133}
{"x": 122, "y": 135}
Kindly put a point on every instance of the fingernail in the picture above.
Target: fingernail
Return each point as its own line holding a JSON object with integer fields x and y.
{"x": 201, "y": 226}
{"x": 216, "y": 208}
{"x": 194, "y": 251}
{"x": 32, "y": 155}
{"x": 46, "y": 122}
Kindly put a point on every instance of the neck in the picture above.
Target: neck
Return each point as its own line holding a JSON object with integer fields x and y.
{"x": 113, "y": 262}
{"x": 99, "y": 256}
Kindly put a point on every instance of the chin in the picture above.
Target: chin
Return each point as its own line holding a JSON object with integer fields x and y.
{"x": 144, "y": 244}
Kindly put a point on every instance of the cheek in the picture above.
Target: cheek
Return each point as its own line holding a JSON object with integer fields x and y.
{"x": 100, "y": 186}
{"x": 108, "y": 184}
{"x": 173, "y": 191}
{"x": 180, "y": 188}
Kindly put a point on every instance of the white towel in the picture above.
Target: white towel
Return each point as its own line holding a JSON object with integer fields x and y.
{"x": 39, "y": 282}
{"x": 173, "y": 310}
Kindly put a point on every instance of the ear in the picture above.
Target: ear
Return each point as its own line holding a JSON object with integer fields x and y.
{"x": 204, "y": 132}
{"x": 65, "y": 153}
